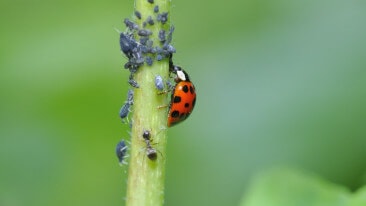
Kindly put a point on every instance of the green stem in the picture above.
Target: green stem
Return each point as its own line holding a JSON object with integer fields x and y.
{"x": 146, "y": 177}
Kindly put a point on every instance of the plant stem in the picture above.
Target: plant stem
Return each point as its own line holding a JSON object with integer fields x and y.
{"x": 146, "y": 177}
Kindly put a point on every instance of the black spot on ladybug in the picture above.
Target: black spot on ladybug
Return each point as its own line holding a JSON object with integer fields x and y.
{"x": 185, "y": 88}
{"x": 175, "y": 114}
{"x": 191, "y": 89}
{"x": 194, "y": 102}
{"x": 186, "y": 105}
{"x": 177, "y": 99}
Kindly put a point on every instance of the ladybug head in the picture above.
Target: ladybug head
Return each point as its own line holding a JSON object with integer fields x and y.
{"x": 181, "y": 74}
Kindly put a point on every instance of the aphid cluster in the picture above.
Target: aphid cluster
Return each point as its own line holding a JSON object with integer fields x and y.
{"x": 143, "y": 50}
{"x": 140, "y": 49}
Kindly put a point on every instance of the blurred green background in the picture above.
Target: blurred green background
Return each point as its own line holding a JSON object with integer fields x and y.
{"x": 279, "y": 83}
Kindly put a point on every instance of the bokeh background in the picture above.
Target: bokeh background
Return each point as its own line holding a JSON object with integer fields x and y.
{"x": 279, "y": 83}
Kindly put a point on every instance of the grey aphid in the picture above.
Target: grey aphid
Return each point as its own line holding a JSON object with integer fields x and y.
{"x": 159, "y": 57}
{"x": 163, "y": 17}
{"x": 156, "y": 9}
{"x": 150, "y": 21}
{"x": 121, "y": 151}
{"x": 162, "y": 35}
{"x": 170, "y": 48}
{"x": 144, "y": 32}
{"x": 138, "y": 14}
{"x": 149, "y": 60}
{"x": 130, "y": 24}
{"x": 127, "y": 43}
{"x": 125, "y": 109}
{"x": 133, "y": 82}
{"x": 159, "y": 83}
{"x": 143, "y": 40}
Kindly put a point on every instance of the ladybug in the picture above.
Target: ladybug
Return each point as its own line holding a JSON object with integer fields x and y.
{"x": 183, "y": 97}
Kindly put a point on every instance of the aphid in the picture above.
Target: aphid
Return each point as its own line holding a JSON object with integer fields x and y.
{"x": 159, "y": 50}
{"x": 127, "y": 44}
{"x": 138, "y": 14}
{"x": 150, "y": 151}
{"x": 149, "y": 43}
{"x": 169, "y": 36}
{"x": 137, "y": 58}
{"x": 169, "y": 85}
{"x": 144, "y": 49}
{"x": 169, "y": 48}
{"x": 159, "y": 57}
{"x": 130, "y": 24}
{"x": 133, "y": 82}
{"x": 125, "y": 109}
{"x": 163, "y": 17}
{"x": 153, "y": 50}
{"x": 183, "y": 98}
{"x": 130, "y": 96}
{"x": 159, "y": 84}
{"x": 149, "y": 60}
{"x": 143, "y": 40}
{"x": 144, "y": 32}
{"x": 131, "y": 66}
{"x": 151, "y": 1}
{"x": 162, "y": 35}
{"x": 121, "y": 151}
{"x": 149, "y": 20}
{"x": 156, "y": 9}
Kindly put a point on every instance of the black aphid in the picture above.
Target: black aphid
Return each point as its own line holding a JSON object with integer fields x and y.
{"x": 138, "y": 14}
{"x": 144, "y": 32}
{"x": 156, "y": 9}
{"x": 121, "y": 151}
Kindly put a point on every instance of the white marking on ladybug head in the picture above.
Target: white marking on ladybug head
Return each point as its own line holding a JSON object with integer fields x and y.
{"x": 181, "y": 75}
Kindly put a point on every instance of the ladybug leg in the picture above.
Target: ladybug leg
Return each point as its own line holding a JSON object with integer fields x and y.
{"x": 162, "y": 129}
{"x": 162, "y": 106}
{"x": 170, "y": 88}
{"x": 163, "y": 92}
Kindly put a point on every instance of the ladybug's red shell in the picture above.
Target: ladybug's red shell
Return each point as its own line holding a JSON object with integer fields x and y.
{"x": 182, "y": 102}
